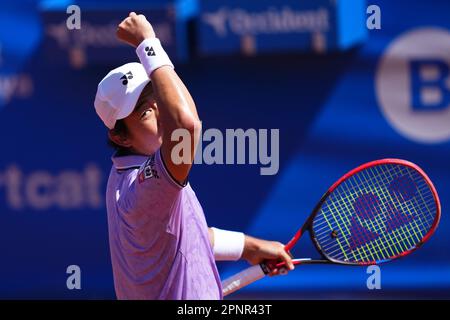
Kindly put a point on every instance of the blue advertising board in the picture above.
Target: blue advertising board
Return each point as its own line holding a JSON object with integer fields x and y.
{"x": 252, "y": 27}
{"x": 95, "y": 41}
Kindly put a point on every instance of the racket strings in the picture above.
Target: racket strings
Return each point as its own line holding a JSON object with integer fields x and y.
{"x": 375, "y": 244}
{"x": 394, "y": 217}
{"x": 392, "y": 243}
{"x": 324, "y": 225}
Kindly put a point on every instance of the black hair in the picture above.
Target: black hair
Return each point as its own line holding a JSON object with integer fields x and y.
{"x": 120, "y": 129}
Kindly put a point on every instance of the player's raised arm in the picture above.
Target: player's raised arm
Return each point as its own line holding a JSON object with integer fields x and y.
{"x": 176, "y": 108}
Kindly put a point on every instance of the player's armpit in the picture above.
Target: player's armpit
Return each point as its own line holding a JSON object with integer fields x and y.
{"x": 211, "y": 237}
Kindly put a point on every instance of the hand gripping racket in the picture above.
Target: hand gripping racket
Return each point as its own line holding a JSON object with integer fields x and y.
{"x": 377, "y": 212}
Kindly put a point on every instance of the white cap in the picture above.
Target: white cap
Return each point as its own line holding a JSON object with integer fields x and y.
{"x": 118, "y": 92}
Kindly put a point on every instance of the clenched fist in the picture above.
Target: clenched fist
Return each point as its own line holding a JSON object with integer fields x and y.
{"x": 134, "y": 29}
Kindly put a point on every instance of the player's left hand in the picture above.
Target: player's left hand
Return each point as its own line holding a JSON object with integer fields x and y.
{"x": 257, "y": 251}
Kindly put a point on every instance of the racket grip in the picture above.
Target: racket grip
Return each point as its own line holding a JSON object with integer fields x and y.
{"x": 242, "y": 279}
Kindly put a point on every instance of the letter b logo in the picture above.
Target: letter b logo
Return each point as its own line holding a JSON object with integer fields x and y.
{"x": 413, "y": 85}
{"x": 430, "y": 84}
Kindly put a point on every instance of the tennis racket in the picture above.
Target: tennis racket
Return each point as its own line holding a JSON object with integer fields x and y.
{"x": 377, "y": 212}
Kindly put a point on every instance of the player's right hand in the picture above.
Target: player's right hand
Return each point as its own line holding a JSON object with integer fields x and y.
{"x": 258, "y": 250}
{"x": 134, "y": 29}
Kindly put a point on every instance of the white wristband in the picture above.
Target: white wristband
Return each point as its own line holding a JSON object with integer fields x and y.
{"x": 152, "y": 55}
{"x": 228, "y": 245}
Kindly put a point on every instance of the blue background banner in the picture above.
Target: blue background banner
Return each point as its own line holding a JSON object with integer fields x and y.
{"x": 387, "y": 97}
{"x": 266, "y": 26}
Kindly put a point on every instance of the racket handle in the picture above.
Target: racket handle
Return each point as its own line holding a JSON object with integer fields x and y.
{"x": 242, "y": 279}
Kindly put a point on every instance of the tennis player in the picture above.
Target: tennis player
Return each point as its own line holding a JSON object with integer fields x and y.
{"x": 161, "y": 246}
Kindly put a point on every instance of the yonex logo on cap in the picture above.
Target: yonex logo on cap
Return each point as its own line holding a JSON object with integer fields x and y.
{"x": 126, "y": 77}
{"x": 150, "y": 51}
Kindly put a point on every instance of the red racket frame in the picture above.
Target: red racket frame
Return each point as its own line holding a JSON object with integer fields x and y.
{"x": 307, "y": 226}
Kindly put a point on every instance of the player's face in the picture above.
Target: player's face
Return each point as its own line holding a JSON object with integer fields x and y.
{"x": 144, "y": 133}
